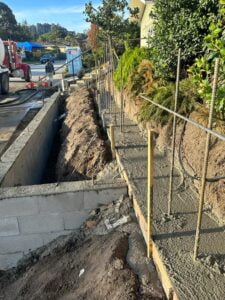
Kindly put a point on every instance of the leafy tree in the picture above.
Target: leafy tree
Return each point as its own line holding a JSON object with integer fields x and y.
{"x": 23, "y": 32}
{"x": 8, "y": 24}
{"x": 56, "y": 35}
{"x": 179, "y": 24}
{"x": 111, "y": 19}
{"x": 93, "y": 37}
{"x": 71, "y": 40}
{"x": 203, "y": 69}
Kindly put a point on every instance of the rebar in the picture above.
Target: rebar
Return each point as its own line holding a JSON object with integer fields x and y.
{"x": 121, "y": 94}
{"x": 219, "y": 136}
{"x": 170, "y": 196}
{"x": 206, "y": 159}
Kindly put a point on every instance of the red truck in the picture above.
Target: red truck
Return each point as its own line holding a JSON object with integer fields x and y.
{"x": 11, "y": 65}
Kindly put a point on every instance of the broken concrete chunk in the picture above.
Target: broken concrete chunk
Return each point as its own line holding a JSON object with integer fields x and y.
{"x": 81, "y": 272}
{"x": 109, "y": 225}
{"x": 118, "y": 264}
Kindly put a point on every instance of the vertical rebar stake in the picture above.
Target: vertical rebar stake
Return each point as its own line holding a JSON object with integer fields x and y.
{"x": 206, "y": 159}
{"x": 150, "y": 191}
{"x": 73, "y": 71}
{"x": 170, "y": 196}
{"x": 112, "y": 139}
{"x": 121, "y": 94}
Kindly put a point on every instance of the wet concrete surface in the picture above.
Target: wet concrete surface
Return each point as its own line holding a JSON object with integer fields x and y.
{"x": 11, "y": 117}
{"x": 174, "y": 236}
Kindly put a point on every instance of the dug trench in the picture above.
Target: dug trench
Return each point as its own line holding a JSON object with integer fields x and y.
{"x": 95, "y": 261}
{"x": 80, "y": 149}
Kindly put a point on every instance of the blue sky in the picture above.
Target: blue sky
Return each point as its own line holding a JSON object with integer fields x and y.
{"x": 68, "y": 13}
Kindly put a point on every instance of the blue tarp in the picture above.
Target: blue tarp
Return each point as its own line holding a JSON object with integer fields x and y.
{"x": 28, "y": 46}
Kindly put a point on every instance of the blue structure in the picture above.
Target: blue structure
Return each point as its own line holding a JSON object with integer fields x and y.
{"x": 28, "y": 46}
{"x": 75, "y": 67}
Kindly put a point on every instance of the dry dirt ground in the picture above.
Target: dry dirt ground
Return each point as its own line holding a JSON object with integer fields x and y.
{"x": 84, "y": 151}
{"x": 93, "y": 263}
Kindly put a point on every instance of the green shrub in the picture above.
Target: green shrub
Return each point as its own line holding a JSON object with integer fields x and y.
{"x": 130, "y": 60}
{"x": 142, "y": 79}
{"x": 203, "y": 69}
{"x": 165, "y": 95}
{"x": 179, "y": 24}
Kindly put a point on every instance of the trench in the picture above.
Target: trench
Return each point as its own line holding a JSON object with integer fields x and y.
{"x": 50, "y": 170}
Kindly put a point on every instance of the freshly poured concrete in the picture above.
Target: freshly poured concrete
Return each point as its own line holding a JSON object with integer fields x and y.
{"x": 174, "y": 237}
{"x": 10, "y": 118}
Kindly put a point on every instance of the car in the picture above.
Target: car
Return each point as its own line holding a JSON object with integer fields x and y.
{"x": 44, "y": 58}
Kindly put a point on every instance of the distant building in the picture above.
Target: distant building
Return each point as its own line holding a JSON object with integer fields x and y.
{"x": 144, "y": 18}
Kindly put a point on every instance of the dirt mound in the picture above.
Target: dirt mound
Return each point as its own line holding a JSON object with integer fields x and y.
{"x": 84, "y": 151}
{"x": 63, "y": 278}
{"x": 92, "y": 263}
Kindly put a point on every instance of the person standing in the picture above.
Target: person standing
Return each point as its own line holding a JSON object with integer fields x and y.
{"x": 49, "y": 70}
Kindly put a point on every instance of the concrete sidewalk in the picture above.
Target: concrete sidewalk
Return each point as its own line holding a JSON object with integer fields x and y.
{"x": 174, "y": 237}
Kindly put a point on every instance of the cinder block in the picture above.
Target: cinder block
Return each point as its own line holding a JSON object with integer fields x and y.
{"x": 18, "y": 207}
{"x": 24, "y": 243}
{"x": 9, "y": 260}
{"x": 62, "y": 202}
{"x": 93, "y": 198}
{"x": 8, "y": 227}
{"x": 74, "y": 220}
{"x": 40, "y": 223}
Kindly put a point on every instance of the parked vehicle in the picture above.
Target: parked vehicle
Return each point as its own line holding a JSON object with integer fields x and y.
{"x": 11, "y": 65}
{"x": 44, "y": 58}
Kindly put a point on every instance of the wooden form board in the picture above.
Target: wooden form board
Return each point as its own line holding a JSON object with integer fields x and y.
{"x": 158, "y": 261}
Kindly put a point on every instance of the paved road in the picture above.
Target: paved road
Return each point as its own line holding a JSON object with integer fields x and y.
{"x": 39, "y": 70}
{"x": 11, "y": 117}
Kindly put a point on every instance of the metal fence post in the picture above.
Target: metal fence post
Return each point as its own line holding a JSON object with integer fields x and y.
{"x": 150, "y": 191}
{"x": 206, "y": 159}
{"x": 170, "y": 196}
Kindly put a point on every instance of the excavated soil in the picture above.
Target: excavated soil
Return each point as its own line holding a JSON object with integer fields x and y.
{"x": 84, "y": 151}
{"x": 193, "y": 150}
{"x": 92, "y": 263}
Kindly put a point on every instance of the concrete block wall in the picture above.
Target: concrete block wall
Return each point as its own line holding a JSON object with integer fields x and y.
{"x": 30, "y": 217}
{"x": 24, "y": 161}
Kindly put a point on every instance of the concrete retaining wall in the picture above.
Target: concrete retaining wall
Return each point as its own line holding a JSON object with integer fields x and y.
{"x": 30, "y": 217}
{"x": 24, "y": 161}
